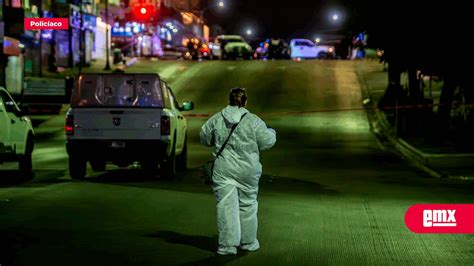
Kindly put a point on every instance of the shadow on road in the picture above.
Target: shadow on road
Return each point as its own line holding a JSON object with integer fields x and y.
{"x": 11, "y": 244}
{"x": 202, "y": 242}
{"x": 191, "y": 182}
{"x": 133, "y": 175}
{"x": 290, "y": 185}
{"x": 188, "y": 181}
{"x": 41, "y": 178}
{"x": 12, "y": 178}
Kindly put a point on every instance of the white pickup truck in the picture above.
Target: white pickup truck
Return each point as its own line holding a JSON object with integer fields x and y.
{"x": 122, "y": 119}
{"x": 304, "y": 48}
{"x": 16, "y": 134}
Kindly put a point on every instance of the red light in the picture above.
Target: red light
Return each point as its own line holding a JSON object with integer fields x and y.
{"x": 69, "y": 127}
{"x": 69, "y": 130}
{"x": 143, "y": 12}
{"x": 165, "y": 125}
{"x": 204, "y": 49}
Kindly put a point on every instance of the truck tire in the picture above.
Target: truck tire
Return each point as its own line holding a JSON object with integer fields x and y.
{"x": 25, "y": 164}
{"x": 77, "y": 167}
{"x": 182, "y": 159}
{"x": 168, "y": 167}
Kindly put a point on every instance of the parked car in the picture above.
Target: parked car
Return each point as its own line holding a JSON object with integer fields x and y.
{"x": 16, "y": 134}
{"x": 205, "y": 51}
{"x": 172, "y": 52}
{"x": 304, "y": 48}
{"x": 273, "y": 49}
{"x": 231, "y": 47}
{"x": 197, "y": 49}
{"x": 123, "y": 119}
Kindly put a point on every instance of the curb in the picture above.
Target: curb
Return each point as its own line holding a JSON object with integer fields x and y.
{"x": 424, "y": 161}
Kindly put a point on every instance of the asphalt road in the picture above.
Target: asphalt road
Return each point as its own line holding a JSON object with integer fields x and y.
{"x": 330, "y": 193}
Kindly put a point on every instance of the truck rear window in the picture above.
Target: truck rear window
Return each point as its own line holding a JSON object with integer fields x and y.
{"x": 96, "y": 90}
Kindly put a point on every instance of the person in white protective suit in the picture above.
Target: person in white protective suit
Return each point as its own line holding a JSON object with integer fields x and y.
{"x": 237, "y": 171}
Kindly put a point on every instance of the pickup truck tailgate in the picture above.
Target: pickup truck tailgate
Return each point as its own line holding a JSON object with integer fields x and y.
{"x": 117, "y": 124}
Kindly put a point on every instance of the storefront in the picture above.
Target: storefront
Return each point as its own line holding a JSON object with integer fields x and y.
{"x": 87, "y": 39}
{"x": 12, "y": 49}
{"x": 99, "y": 47}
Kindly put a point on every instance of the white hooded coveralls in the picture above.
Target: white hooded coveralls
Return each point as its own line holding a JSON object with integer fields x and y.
{"x": 236, "y": 172}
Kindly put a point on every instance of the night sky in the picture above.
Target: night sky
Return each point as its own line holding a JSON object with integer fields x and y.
{"x": 270, "y": 18}
{"x": 392, "y": 20}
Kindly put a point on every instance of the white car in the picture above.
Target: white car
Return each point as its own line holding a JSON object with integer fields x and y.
{"x": 122, "y": 119}
{"x": 306, "y": 49}
{"x": 16, "y": 134}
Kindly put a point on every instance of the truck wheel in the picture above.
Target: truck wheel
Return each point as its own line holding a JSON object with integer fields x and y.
{"x": 25, "y": 164}
{"x": 97, "y": 165}
{"x": 182, "y": 159}
{"x": 77, "y": 167}
{"x": 149, "y": 167}
{"x": 168, "y": 167}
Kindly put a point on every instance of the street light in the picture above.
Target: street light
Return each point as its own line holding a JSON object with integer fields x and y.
{"x": 220, "y": 4}
{"x": 335, "y": 17}
{"x": 249, "y": 32}
{"x": 318, "y": 40}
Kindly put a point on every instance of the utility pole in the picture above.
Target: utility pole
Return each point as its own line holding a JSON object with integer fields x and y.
{"x": 81, "y": 37}
{"x": 3, "y": 58}
{"x": 107, "y": 41}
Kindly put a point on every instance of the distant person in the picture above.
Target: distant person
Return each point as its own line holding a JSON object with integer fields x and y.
{"x": 361, "y": 43}
{"x": 358, "y": 46}
{"x": 237, "y": 171}
{"x": 52, "y": 60}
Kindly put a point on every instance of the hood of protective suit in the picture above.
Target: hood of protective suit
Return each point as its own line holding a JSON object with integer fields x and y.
{"x": 233, "y": 113}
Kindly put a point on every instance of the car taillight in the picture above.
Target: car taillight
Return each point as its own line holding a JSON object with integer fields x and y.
{"x": 165, "y": 125}
{"x": 69, "y": 127}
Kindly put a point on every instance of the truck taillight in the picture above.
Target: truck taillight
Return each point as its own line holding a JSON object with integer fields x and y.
{"x": 69, "y": 127}
{"x": 165, "y": 125}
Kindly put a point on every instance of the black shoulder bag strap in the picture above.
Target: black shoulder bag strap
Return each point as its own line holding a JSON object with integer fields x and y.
{"x": 234, "y": 126}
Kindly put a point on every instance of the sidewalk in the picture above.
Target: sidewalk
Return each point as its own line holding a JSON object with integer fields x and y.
{"x": 449, "y": 158}
{"x": 96, "y": 66}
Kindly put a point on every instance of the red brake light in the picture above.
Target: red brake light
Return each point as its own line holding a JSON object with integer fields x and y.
{"x": 143, "y": 12}
{"x": 165, "y": 125}
{"x": 69, "y": 127}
